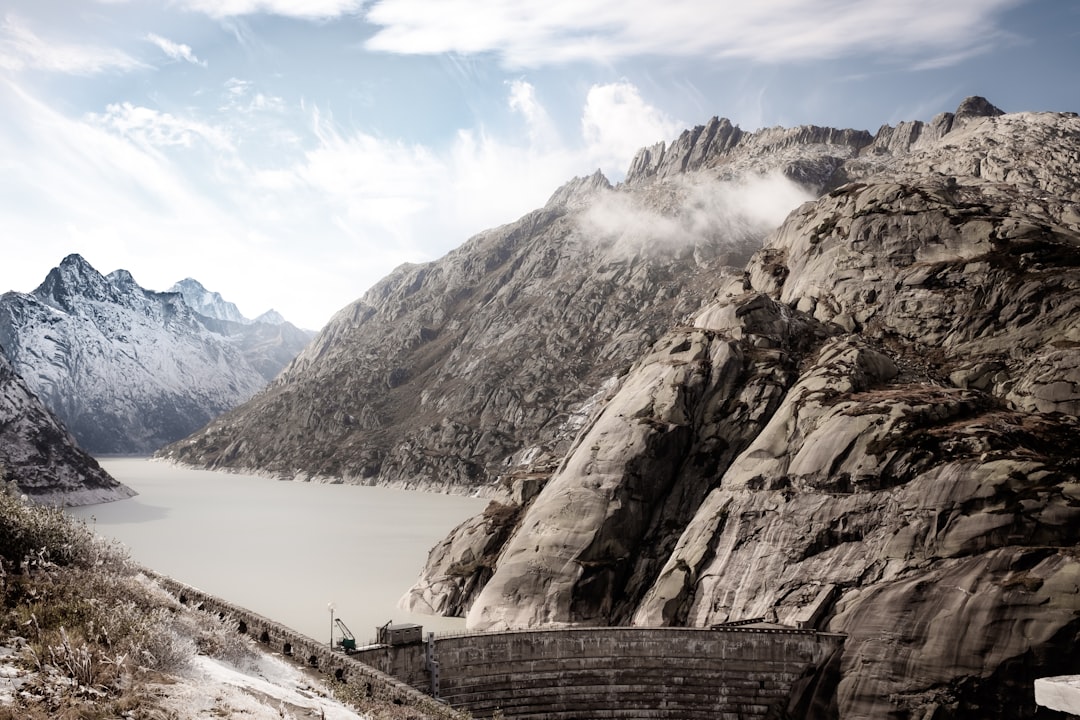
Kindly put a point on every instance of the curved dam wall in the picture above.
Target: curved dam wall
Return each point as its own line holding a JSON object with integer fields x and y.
{"x": 617, "y": 672}
{"x": 726, "y": 673}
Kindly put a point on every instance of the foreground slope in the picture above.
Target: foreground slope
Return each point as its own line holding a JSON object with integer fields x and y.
{"x": 39, "y": 455}
{"x": 127, "y": 369}
{"x": 452, "y": 373}
{"x": 872, "y": 431}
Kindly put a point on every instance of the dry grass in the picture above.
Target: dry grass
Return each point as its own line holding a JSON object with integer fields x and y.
{"x": 88, "y": 630}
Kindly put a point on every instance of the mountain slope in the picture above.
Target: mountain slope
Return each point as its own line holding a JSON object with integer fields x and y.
{"x": 40, "y": 456}
{"x": 870, "y": 432}
{"x": 129, "y": 370}
{"x": 451, "y": 373}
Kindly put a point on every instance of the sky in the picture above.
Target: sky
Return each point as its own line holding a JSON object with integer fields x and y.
{"x": 290, "y": 153}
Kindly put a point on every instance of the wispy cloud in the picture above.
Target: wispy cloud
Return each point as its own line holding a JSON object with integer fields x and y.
{"x": 305, "y": 9}
{"x": 172, "y": 187}
{"x": 531, "y": 33}
{"x": 176, "y": 51}
{"x": 22, "y": 49}
{"x": 242, "y": 97}
{"x": 155, "y": 129}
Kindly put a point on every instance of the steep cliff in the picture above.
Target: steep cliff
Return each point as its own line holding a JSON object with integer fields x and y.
{"x": 485, "y": 363}
{"x": 41, "y": 457}
{"x": 873, "y": 431}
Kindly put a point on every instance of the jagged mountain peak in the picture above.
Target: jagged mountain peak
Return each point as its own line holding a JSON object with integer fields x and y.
{"x": 271, "y": 317}
{"x": 122, "y": 279}
{"x": 207, "y": 302}
{"x": 723, "y": 145}
{"x": 579, "y": 190}
{"x": 808, "y": 154}
{"x": 975, "y": 106}
{"x": 72, "y": 279}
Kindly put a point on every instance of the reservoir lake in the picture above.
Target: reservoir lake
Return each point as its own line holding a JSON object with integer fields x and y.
{"x": 283, "y": 549}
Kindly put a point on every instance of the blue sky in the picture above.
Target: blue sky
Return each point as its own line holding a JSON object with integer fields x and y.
{"x": 290, "y": 153}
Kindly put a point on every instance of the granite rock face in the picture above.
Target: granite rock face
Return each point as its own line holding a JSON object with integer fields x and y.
{"x": 485, "y": 364}
{"x": 870, "y": 429}
{"x": 872, "y": 432}
{"x": 40, "y": 456}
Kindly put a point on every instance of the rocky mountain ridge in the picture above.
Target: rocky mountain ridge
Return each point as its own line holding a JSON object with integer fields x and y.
{"x": 212, "y": 305}
{"x": 127, "y": 369}
{"x": 870, "y": 431}
{"x": 420, "y": 383}
{"x": 39, "y": 455}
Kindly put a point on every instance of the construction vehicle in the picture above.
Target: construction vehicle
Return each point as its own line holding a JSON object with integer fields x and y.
{"x": 348, "y": 641}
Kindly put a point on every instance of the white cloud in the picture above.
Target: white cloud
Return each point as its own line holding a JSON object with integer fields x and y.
{"x": 152, "y": 128}
{"x": 314, "y": 222}
{"x": 523, "y": 100}
{"x": 177, "y": 51}
{"x": 378, "y": 182}
{"x": 22, "y": 49}
{"x": 720, "y": 213}
{"x": 617, "y": 122}
{"x": 86, "y": 186}
{"x": 241, "y": 97}
{"x": 428, "y": 200}
{"x": 305, "y": 9}
{"x": 531, "y": 33}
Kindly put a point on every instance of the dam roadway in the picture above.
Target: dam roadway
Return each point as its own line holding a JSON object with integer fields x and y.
{"x": 579, "y": 673}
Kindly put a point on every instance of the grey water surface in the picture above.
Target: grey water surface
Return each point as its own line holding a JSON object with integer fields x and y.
{"x": 283, "y": 549}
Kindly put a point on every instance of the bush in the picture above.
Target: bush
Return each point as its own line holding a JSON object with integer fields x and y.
{"x": 88, "y": 624}
{"x": 35, "y": 536}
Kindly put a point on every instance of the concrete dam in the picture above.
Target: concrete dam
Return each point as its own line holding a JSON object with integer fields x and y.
{"x": 579, "y": 673}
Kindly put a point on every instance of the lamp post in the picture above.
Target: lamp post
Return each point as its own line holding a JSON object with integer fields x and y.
{"x": 330, "y": 606}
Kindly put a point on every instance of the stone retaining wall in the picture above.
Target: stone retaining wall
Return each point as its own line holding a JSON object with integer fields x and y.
{"x": 726, "y": 673}
{"x": 368, "y": 681}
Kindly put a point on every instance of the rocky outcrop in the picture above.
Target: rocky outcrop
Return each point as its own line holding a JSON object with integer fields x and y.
{"x": 483, "y": 363}
{"x": 127, "y": 369}
{"x": 871, "y": 431}
{"x": 41, "y": 457}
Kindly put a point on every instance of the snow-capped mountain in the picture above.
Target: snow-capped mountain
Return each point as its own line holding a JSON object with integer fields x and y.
{"x": 206, "y": 302}
{"x": 127, "y": 369}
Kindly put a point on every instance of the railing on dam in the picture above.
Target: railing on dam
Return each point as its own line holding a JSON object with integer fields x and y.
{"x": 579, "y": 673}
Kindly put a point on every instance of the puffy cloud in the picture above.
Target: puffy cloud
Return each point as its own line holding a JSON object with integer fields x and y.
{"x": 721, "y": 212}
{"x": 617, "y": 121}
{"x": 177, "y": 51}
{"x": 523, "y": 100}
{"x": 22, "y": 49}
{"x": 531, "y": 33}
